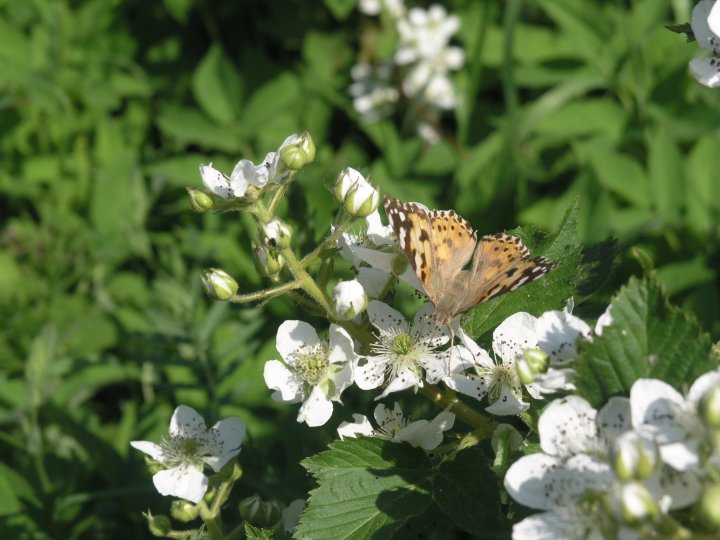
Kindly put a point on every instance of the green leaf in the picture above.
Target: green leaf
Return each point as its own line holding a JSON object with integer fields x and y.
{"x": 15, "y": 491}
{"x": 257, "y": 533}
{"x": 466, "y": 489}
{"x": 189, "y": 126}
{"x": 647, "y": 338}
{"x": 367, "y": 489}
{"x": 597, "y": 264}
{"x": 271, "y": 100}
{"x": 217, "y": 86}
{"x": 666, "y": 175}
{"x": 550, "y": 292}
{"x": 620, "y": 174}
{"x": 341, "y": 9}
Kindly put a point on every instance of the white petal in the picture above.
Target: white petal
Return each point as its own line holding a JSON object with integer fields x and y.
{"x": 291, "y": 515}
{"x": 613, "y": 419}
{"x": 700, "y": 24}
{"x": 683, "y": 488}
{"x": 187, "y": 423}
{"x": 553, "y": 380}
{"x": 405, "y": 378}
{"x": 341, "y": 379}
{"x": 151, "y": 449}
{"x": 242, "y": 176}
{"x": 388, "y": 418}
{"x": 567, "y": 427}
{"x": 373, "y": 280}
{"x": 713, "y": 19}
{"x": 341, "y": 346}
{"x": 288, "y": 384}
{"x": 316, "y": 410}
{"x": 603, "y": 321}
{"x": 655, "y": 405}
{"x": 547, "y": 526}
{"x": 427, "y": 329}
{"x": 480, "y": 355}
{"x": 186, "y": 483}
{"x": 215, "y": 181}
{"x": 385, "y": 318}
{"x": 470, "y": 385}
{"x": 369, "y": 372}
{"x": 526, "y": 481}
{"x": 706, "y": 71}
{"x": 514, "y": 335}
{"x": 557, "y": 333}
{"x": 377, "y": 233}
{"x": 508, "y": 403}
{"x": 681, "y": 456}
{"x": 426, "y": 435}
{"x": 294, "y": 335}
{"x": 224, "y": 440}
{"x": 700, "y": 387}
{"x": 361, "y": 426}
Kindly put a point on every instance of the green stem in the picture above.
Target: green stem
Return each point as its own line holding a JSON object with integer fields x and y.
{"x": 328, "y": 243}
{"x": 277, "y": 196}
{"x": 266, "y": 294}
{"x": 484, "y": 427}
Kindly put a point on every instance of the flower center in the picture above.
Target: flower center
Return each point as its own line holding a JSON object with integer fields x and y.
{"x": 312, "y": 363}
{"x": 402, "y": 344}
{"x": 182, "y": 450}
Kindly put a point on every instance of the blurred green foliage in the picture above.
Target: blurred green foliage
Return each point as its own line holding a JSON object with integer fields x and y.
{"x": 107, "y": 109}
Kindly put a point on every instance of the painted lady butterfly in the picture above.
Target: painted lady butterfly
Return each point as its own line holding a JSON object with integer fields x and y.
{"x": 439, "y": 244}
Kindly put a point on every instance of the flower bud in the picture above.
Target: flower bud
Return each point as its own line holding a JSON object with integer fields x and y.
{"x": 710, "y": 407}
{"x": 709, "y": 507}
{"x": 199, "y": 200}
{"x": 637, "y": 504}
{"x": 356, "y": 194}
{"x": 159, "y": 525}
{"x": 524, "y": 371}
{"x": 299, "y": 153}
{"x": 276, "y": 234}
{"x": 349, "y": 299}
{"x": 268, "y": 262}
{"x": 218, "y": 284}
{"x": 399, "y": 264}
{"x": 634, "y": 458}
{"x": 538, "y": 360}
{"x": 259, "y": 513}
{"x": 183, "y": 511}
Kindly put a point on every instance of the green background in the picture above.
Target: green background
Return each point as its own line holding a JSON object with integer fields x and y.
{"x": 108, "y": 107}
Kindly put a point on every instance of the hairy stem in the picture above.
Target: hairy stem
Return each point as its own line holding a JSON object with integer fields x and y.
{"x": 266, "y": 294}
{"x": 484, "y": 427}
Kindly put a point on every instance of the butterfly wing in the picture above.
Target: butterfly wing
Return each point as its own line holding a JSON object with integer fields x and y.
{"x": 501, "y": 263}
{"x": 436, "y": 243}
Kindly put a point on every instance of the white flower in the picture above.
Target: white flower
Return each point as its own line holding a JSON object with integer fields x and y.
{"x": 424, "y": 33}
{"x": 402, "y": 353}
{"x": 374, "y": 281}
{"x": 349, "y": 299}
{"x": 315, "y": 372}
{"x": 706, "y": 25}
{"x": 188, "y": 448}
{"x": 291, "y": 515}
{"x": 374, "y": 97}
{"x": 355, "y": 193}
{"x": 394, "y": 426}
{"x": 660, "y": 413}
{"x": 378, "y": 247}
{"x": 396, "y": 8}
{"x": 498, "y": 380}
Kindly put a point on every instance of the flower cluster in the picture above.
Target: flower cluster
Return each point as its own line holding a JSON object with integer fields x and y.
{"x": 618, "y": 472}
{"x": 419, "y": 67}
{"x": 706, "y": 28}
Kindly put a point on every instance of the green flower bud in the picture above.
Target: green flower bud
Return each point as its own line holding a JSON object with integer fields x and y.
{"x": 299, "y": 153}
{"x": 183, "y": 511}
{"x": 159, "y": 525}
{"x": 276, "y": 234}
{"x": 262, "y": 514}
{"x": 709, "y": 507}
{"x": 358, "y": 197}
{"x": 349, "y": 299}
{"x": 399, "y": 264}
{"x": 218, "y": 284}
{"x": 538, "y": 360}
{"x": 268, "y": 262}
{"x": 637, "y": 504}
{"x": 709, "y": 407}
{"x": 199, "y": 200}
{"x": 633, "y": 457}
{"x": 524, "y": 371}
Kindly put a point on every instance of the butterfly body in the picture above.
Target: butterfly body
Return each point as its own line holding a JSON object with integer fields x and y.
{"x": 458, "y": 271}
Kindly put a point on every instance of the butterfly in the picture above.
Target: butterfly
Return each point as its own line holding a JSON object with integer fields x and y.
{"x": 439, "y": 244}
